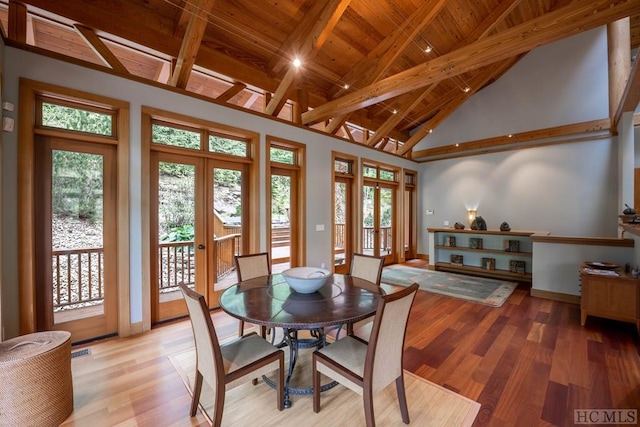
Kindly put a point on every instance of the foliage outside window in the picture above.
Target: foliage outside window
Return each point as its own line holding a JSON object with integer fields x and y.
{"x": 387, "y": 175}
{"x": 175, "y": 137}
{"x": 77, "y": 185}
{"x": 76, "y": 119}
{"x": 370, "y": 172}
{"x": 343, "y": 166}
{"x": 234, "y": 147}
{"x": 281, "y": 155}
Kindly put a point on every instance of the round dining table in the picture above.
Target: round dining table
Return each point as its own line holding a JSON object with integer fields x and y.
{"x": 269, "y": 301}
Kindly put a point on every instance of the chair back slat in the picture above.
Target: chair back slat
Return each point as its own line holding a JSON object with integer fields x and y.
{"x": 383, "y": 363}
{"x": 367, "y": 267}
{"x": 252, "y": 265}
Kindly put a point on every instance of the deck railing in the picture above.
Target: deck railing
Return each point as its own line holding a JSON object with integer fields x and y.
{"x": 78, "y": 278}
{"x": 369, "y": 239}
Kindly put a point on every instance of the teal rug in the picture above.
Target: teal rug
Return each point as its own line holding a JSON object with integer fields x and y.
{"x": 476, "y": 289}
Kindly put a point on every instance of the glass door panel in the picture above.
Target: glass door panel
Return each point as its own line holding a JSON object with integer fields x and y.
{"x": 76, "y": 248}
{"x": 174, "y": 234}
{"x": 225, "y": 218}
{"x": 385, "y": 222}
{"x": 341, "y": 226}
{"x": 281, "y": 215}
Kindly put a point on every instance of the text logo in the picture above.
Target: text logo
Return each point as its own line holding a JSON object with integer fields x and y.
{"x": 605, "y": 416}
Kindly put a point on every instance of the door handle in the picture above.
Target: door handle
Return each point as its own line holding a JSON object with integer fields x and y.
{"x": 200, "y": 246}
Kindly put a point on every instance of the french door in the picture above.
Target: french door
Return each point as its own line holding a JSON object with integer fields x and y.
{"x": 198, "y": 207}
{"x": 378, "y": 219}
{"x": 76, "y": 245}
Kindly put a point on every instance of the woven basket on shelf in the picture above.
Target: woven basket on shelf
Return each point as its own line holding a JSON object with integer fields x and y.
{"x": 35, "y": 379}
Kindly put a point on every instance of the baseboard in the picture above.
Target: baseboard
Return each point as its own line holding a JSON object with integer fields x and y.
{"x": 423, "y": 256}
{"x": 555, "y": 296}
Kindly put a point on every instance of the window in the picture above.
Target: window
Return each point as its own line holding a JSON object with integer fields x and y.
{"x": 76, "y": 117}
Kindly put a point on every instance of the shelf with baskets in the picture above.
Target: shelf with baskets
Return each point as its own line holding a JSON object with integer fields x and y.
{"x": 489, "y": 253}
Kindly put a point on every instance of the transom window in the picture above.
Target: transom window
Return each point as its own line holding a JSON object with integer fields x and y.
{"x": 175, "y": 135}
{"x": 76, "y": 117}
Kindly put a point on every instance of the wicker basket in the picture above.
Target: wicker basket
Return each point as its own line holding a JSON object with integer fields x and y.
{"x": 36, "y": 388}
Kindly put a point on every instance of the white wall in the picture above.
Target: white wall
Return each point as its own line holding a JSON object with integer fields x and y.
{"x": 569, "y": 189}
{"x": 319, "y": 147}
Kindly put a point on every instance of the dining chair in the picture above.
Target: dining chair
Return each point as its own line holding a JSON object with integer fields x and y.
{"x": 367, "y": 368}
{"x": 249, "y": 267}
{"x": 367, "y": 267}
{"x": 226, "y": 366}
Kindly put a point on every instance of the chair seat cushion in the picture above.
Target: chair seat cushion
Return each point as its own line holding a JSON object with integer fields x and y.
{"x": 349, "y": 352}
{"x": 244, "y": 351}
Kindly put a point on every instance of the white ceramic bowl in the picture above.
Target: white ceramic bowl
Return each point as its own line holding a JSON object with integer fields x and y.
{"x": 306, "y": 280}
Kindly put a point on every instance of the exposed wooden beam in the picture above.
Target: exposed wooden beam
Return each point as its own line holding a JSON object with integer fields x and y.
{"x": 348, "y": 132}
{"x": 17, "y": 22}
{"x": 191, "y": 42}
{"x": 475, "y": 84}
{"x": 322, "y": 27}
{"x": 373, "y": 66}
{"x": 231, "y": 92}
{"x": 490, "y": 144}
{"x": 631, "y": 95}
{"x": 100, "y": 49}
{"x": 413, "y": 99}
{"x": 618, "y": 43}
{"x": 378, "y": 61}
{"x": 480, "y": 32}
{"x": 578, "y": 16}
{"x": 296, "y": 38}
{"x": 336, "y": 123}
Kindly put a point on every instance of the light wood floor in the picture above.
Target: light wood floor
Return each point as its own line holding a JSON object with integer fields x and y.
{"x": 528, "y": 362}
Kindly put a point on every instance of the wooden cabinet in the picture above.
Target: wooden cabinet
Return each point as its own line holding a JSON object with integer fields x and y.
{"x": 610, "y": 297}
{"x": 489, "y": 253}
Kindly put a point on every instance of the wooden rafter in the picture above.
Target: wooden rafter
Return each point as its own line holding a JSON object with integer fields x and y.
{"x": 411, "y": 101}
{"x": 480, "y": 32}
{"x": 322, "y": 26}
{"x": 17, "y": 22}
{"x": 501, "y": 142}
{"x": 631, "y": 96}
{"x": 374, "y": 65}
{"x": 231, "y": 92}
{"x": 100, "y": 49}
{"x": 294, "y": 41}
{"x": 477, "y": 82}
{"x": 578, "y": 16}
{"x": 194, "y": 32}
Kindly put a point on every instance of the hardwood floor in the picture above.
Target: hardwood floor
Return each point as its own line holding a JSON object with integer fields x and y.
{"x": 528, "y": 362}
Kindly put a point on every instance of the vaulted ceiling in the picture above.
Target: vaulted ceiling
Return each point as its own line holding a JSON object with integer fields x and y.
{"x": 376, "y": 72}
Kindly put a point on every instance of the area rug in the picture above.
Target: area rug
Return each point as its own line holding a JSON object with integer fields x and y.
{"x": 249, "y": 405}
{"x": 477, "y": 289}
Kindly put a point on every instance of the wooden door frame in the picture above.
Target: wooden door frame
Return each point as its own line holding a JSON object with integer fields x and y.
{"x": 29, "y": 91}
{"x": 351, "y": 214}
{"x": 298, "y": 256}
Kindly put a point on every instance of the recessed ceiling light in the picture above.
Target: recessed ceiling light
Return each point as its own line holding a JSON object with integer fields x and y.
{"x": 395, "y": 111}
{"x": 430, "y": 130}
{"x": 297, "y": 63}
{"x": 457, "y": 145}
{"x": 510, "y": 135}
{"x": 346, "y": 86}
{"x": 466, "y": 89}
{"x": 427, "y": 49}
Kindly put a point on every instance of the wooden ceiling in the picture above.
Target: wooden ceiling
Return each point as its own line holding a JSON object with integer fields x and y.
{"x": 366, "y": 75}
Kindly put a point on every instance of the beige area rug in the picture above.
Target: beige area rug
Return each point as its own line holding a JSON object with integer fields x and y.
{"x": 249, "y": 405}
